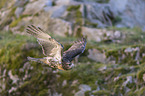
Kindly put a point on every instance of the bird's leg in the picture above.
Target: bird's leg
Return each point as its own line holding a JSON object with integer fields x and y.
{"x": 48, "y": 59}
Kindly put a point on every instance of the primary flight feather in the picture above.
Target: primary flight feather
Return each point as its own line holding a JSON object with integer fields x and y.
{"x": 56, "y": 58}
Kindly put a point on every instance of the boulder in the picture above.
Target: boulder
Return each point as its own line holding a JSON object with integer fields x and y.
{"x": 64, "y": 2}
{"x": 56, "y": 11}
{"x": 130, "y": 11}
{"x": 20, "y": 3}
{"x": 96, "y": 55}
{"x": 53, "y": 25}
{"x": 99, "y": 14}
{"x": 99, "y": 35}
{"x": 34, "y": 7}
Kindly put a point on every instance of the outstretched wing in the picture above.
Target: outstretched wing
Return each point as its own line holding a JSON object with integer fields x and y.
{"x": 76, "y": 49}
{"x": 49, "y": 45}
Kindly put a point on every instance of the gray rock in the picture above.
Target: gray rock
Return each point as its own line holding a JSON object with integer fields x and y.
{"x": 92, "y": 34}
{"x": 53, "y": 25}
{"x": 130, "y": 12}
{"x": 99, "y": 14}
{"x": 99, "y": 35}
{"x": 118, "y": 6}
{"x": 83, "y": 88}
{"x": 79, "y": 93}
{"x": 34, "y": 7}
{"x": 49, "y": 2}
{"x": 64, "y": 83}
{"x": 56, "y": 11}
{"x": 64, "y": 2}
{"x": 20, "y": 3}
{"x": 117, "y": 34}
{"x": 96, "y": 55}
{"x": 19, "y": 11}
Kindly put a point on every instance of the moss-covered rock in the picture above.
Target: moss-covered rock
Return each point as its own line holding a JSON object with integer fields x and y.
{"x": 102, "y": 93}
{"x": 20, "y": 77}
{"x": 73, "y": 8}
{"x": 15, "y": 23}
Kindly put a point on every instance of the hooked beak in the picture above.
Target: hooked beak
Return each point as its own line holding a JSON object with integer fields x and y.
{"x": 60, "y": 67}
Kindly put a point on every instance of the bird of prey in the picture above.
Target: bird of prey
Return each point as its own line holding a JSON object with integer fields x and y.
{"x": 53, "y": 50}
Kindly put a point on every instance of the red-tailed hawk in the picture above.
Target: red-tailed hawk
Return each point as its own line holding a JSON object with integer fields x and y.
{"x": 54, "y": 50}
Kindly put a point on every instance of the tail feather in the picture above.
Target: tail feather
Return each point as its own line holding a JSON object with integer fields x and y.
{"x": 33, "y": 59}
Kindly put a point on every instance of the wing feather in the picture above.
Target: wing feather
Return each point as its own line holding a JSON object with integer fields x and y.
{"x": 76, "y": 49}
{"x": 49, "y": 45}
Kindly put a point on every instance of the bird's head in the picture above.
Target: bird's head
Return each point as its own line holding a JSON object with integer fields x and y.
{"x": 66, "y": 64}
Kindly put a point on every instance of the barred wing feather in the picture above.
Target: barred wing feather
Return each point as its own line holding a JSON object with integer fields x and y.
{"x": 76, "y": 49}
{"x": 49, "y": 45}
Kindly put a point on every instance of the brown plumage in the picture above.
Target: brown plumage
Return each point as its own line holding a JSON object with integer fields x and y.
{"x": 53, "y": 49}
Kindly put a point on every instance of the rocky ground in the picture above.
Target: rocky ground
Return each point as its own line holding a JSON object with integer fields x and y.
{"x": 105, "y": 68}
{"x": 112, "y": 65}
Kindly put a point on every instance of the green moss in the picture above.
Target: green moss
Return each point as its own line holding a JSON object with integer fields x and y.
{"x": 44, "y": 92}
{"x": 42, "y": 80}
{"x": 116, "y": 20}
{"x": 8, "y": 20}
{"x": 84, "y": 59}
{"x": 78, "y": 16}
{"x": 90, "y": 24}
{"x": 129, "y": 57}
{"x": 22, "y": 28}
{"x": 140, "y": 74}
{"x": 121, "y": 70}
{"x": 113, "y": 53}
{"x": 102, "y": 1}
{"x": 79, "y": 32}
{"x": 66, "y": 34}
{"x": 141, "y": 92}
{"x": 73, "y": 8}
{"x": 78, "y": 21}
{"x": 12, "y": 12}
{"x": 15, "y": 22}
{"x": 74, "y": 14}
{"x": 132, "y": 93}
{"x": 2, "y": 3}
{"x": 87, "y": 93}
{"x": 102, "y": 93}
{"x": 116, "y": 89}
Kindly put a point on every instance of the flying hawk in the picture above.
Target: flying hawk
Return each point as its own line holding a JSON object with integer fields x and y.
{"x": 53, "y": 50}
